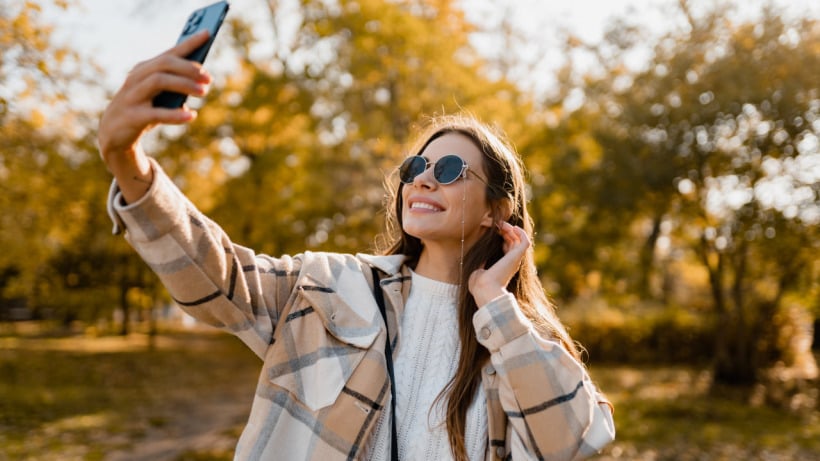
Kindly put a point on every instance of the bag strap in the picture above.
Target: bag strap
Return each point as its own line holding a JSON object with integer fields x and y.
{"x": 388, "y": 355}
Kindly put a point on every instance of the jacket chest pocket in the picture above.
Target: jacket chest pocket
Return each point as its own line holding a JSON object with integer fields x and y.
{"x": 318, "y": 346}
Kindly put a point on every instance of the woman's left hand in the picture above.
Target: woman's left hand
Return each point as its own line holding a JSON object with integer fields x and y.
{"x": 488, "y": 284}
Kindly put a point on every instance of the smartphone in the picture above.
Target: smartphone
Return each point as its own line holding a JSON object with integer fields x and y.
{"x": 208, "y": 18}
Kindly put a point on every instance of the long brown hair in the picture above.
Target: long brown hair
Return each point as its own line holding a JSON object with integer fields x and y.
{"x": 506, "y": 196}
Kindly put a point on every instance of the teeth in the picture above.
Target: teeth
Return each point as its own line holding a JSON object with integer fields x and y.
{"x": 424, "y": 206}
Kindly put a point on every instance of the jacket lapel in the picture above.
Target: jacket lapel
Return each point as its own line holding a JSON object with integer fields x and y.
{"x": 395, "y": 283}
{"x": 340, "y": 293}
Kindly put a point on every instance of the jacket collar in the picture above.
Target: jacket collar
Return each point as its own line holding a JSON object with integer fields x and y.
{"x": 389, "y": 264}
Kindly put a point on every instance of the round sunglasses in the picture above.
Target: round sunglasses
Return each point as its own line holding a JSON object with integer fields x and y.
{"x": 446, "y": 170}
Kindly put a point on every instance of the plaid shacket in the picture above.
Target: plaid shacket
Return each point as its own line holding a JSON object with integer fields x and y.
{"x": 313, "y": 321}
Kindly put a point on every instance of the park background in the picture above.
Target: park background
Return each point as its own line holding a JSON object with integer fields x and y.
{"x": 675, "y": 181}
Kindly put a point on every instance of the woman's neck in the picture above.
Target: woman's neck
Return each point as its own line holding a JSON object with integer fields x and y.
{"x": 440, "y": 264}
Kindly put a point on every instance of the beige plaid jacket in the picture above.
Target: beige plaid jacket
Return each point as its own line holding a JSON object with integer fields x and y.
{"x": 313, "y": 321}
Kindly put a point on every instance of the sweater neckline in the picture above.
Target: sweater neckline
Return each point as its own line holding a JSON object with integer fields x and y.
{"x": 434, "y": 287}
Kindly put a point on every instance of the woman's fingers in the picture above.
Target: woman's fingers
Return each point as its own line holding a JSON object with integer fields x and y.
{"x": 169, "y": 71}
{"x": 130, "y": 112}
{"x": 190, "y": 44}
{"x": 148, "y": 116}
{"x": 486, "y": 284}
{"x": 168, "y": 64}
{"x": 145, "y": 90}
{"x": 515, "y": 238}
{"x": 516, "y": 243}
{"x": 175, "y": 55}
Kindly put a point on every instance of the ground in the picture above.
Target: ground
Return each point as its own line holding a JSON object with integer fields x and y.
{"x": 178, "y": 396}
{"x": 185, "y": 396}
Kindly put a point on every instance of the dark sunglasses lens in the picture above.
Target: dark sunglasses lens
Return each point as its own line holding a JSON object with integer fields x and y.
{"x": 448, "y": 169}
{"x": 412, "y": 167}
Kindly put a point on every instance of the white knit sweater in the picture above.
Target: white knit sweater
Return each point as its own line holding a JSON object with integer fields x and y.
{"x": 427, "y": 359}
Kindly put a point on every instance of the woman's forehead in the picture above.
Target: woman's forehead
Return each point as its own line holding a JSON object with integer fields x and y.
{"x": 452, "y": 143}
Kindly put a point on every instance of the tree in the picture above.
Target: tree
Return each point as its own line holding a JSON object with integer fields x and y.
{"x": 58, "y": 256}
{"x": 31, "y": 164}
{"x": 707, "y": 142}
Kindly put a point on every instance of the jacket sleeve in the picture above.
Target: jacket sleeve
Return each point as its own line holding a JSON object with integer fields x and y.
{"x": 552, "y": 405}
{"x": 217, "y": 282}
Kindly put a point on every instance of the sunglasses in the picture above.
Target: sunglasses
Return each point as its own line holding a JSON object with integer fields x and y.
{"x": 446, "y": 170}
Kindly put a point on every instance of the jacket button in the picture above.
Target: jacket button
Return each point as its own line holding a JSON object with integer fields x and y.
{"x": 489, "y": 369}
{"x": 485, "y": 333}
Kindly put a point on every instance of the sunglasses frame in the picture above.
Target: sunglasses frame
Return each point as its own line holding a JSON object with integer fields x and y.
{"x": 465, "y": 168}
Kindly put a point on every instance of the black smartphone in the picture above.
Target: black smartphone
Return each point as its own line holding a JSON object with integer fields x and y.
{"x": 208, "y": 18}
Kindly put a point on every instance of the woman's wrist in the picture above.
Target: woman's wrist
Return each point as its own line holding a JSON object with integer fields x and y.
{"x": 483, "y": 295}
{"x": 134, "y": 174}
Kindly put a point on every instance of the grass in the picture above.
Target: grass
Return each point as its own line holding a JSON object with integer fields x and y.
{"x": 185, "y": 398}
{"x": 94, "y": 398}
{"x": 666, "y": 413}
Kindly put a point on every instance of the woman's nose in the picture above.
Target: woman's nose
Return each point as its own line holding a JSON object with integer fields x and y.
{"x": 425, "y": 179}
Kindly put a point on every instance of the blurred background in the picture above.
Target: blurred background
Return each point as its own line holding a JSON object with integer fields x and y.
{"x": 675, "y": 185}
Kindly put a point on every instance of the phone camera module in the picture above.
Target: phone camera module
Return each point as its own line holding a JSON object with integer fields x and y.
{"x": 193, "y": 22}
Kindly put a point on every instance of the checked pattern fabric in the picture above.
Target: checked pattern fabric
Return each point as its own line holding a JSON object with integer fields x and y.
{"x": 323, "y": 388}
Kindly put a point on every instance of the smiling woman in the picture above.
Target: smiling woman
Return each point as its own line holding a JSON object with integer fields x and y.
{"x": 455, "y": 302}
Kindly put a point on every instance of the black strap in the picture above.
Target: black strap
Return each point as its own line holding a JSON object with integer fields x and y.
{"x": 388, "y": 356}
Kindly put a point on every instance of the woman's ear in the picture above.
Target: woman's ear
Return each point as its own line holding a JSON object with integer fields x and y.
{"x": 500, "y": 212}
{"x": 503, "y": 210}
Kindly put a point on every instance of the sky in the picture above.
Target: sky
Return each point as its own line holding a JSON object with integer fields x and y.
{"x": 120, "y": 33}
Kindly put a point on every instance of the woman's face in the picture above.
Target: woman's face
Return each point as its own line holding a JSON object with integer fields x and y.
{"x": 433, "y": 212}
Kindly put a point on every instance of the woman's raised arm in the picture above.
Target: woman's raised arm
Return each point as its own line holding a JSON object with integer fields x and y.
{"x": 131, "y": 113}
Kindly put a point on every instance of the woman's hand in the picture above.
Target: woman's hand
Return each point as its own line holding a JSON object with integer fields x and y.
{"x": 488, "y": 284}
{"x": 131, "y": 113}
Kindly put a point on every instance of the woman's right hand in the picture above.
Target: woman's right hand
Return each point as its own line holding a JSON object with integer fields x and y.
{"x": 131, "y": 113}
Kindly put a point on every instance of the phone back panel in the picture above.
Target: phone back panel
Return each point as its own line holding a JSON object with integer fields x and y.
{"x": 209, "y": 18}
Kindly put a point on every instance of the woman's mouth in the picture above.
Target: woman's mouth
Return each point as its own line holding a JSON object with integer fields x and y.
{"x": 424, "y": 206}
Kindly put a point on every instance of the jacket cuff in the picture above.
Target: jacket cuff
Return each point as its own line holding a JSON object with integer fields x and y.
{"x": 499, "y": 322}
{"x": 114, "y": 196}
{"x": 151, "y": 215}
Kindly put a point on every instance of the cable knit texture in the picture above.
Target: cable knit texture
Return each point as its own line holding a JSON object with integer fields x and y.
{"x": 425, "y": 364}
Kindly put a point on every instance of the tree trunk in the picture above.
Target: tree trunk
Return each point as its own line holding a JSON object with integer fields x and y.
{"x": 647, "y": 257}
{"x": 734, "y": 361}
{"x": 125, "y": 309}
{"x": 747, "y": 332}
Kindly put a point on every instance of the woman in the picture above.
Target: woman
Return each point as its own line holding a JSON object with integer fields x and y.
{"x": 483, "y": 367}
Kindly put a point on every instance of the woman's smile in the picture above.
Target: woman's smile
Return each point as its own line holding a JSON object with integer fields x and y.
{"x": 425, "y": 205}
